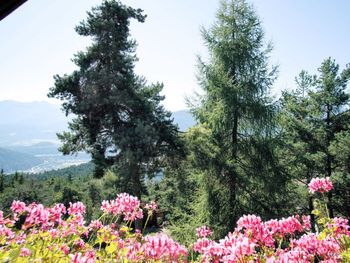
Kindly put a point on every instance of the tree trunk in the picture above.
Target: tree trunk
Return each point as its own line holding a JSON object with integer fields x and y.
{"x": 312, "y": 216}
{"x": 329, "y": 158}
{"x": 311, "y": 206}
{"x": 232, "y": 180}
{"x": 136, "y": 188}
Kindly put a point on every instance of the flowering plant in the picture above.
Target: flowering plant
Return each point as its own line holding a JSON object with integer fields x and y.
{"x": 34, "y": 233}
{"x": 321, "y": 185}
{"x": 46, "y": 236}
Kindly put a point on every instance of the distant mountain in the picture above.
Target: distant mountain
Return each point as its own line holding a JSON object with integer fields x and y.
{"x": 39, "y": 148}
{"x": 14, "y": 112}
{"x": 12, "y": 161}
{"x": 184, "y": 119}
{"x": 30, "y": 123}
{"x": 28, "y": 138}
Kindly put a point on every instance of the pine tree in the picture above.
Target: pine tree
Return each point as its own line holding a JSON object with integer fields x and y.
{"x": 236, "y": 115}
{"x": 314, "y": 120}
{"x": 21, "y": 178}
{"x": 2, "y": 180}
{"x": 119, "y": 119}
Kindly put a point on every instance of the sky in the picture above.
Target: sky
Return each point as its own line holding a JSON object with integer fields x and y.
{"x": 38, "y": 41}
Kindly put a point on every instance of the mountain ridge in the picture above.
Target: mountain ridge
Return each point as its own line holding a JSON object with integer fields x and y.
{"x": 29, "y": 129}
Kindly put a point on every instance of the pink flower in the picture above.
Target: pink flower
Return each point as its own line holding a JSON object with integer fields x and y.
{"x": 312, "y": 246}
{"x": 53, "y": 232}
{"x": 151, "y": 206}
{"x": 7, "y": 232}
{"x": 204, "y": 231}
{"x": 133, "y": 249}
{"x": 76, "y": 208}
{"x": 289, "y": 225}
{"x": 89, "y": 257}
{"x": 254, "y": 228}
{"x": 80, "y": 244}
{"x": 236, "y": 248}
{"x": 340, "y": 226}
{"x": 20, "y": 238}
{"x": 76, "y": 258}
{"x": 25, "y": 252}
{"x": 37, "y": 214}
{"x": 2, "y": 221}
{"x": 163, "y": 248}
{"x": 18, "y": 207}
{"x": 56, "y": 212}
{"x": 321, "y": 185}
{"x": 306, "y": 222}
{"x": 95, "y": 225}
{"x": 65, "y": 249}
{"x": 124, "y": 204}
{"x": 233, "y": 248}
{"x": 201, "y": 244}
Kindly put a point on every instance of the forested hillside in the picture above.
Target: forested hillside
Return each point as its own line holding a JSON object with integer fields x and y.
{"x": 12, "y": 160}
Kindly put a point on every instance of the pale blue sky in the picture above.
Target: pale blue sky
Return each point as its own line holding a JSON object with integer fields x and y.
{"x": 38, "y": 41}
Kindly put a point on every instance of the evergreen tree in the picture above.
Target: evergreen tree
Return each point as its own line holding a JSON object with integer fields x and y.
{"x": 119, "y": 119}
{"x": 16, "y": 176}
{"x": 314, "y": 121}
{"x": 2, "y": 180}
{"x": 330, "y": 100}
{"x": 236, "y": 116}
{"x": 21, "y": 178}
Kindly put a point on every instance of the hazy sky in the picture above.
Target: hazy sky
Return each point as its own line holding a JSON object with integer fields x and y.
{"x": 38, "y": 40}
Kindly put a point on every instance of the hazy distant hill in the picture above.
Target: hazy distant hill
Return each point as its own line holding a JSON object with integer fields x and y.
{"x": 28, "y": 135}
{"x": 12, "y": 161}
{"x": 40, "y": 148}
{"x": 29, "y": 123}
{"x": 35, "y": 122}
{"x": 46, "y": 114}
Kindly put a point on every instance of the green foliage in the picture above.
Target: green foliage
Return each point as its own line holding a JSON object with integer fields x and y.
{"x": 51, "y": 187}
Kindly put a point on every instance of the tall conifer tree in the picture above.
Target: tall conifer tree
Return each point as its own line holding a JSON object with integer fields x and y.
{"x": 119, "y": 119}
{"x": 236, "y": 115}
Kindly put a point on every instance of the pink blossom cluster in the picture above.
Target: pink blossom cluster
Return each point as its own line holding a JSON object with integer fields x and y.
{"x": 340, "y": 226}
{"x": 252, "y": 236}
{"x": 76, "y": 208}
{"x": 37, "y": 215}
{"x": 309, "y": 248}
{"x": 252, "y": 225}
{"x": 88, "y": 257}
{"x": 18, "y": 207}
{"x": 62, "y": 233}
{"x": 204, "y": 231}
{"x": 233, "y": 248}
{"x": 321, "y": 185}
{"x": 69, "y": 237}
{"x": 126, "y": 205}
{"x": 161, "y": 247}
{"x": 289, "y": 225}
